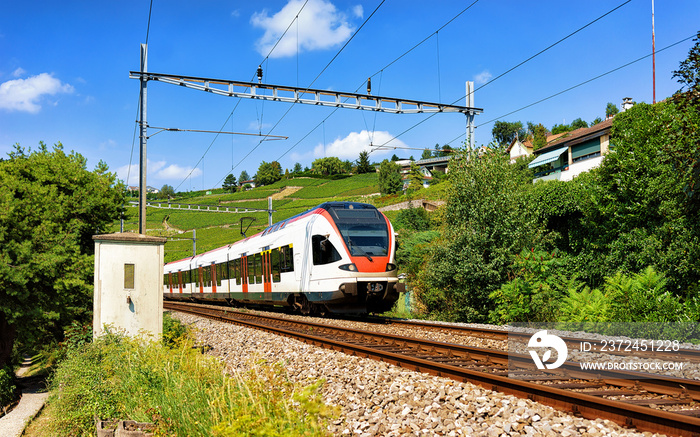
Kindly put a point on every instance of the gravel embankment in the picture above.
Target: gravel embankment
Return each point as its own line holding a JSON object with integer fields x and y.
{"x": 376, "y": 398}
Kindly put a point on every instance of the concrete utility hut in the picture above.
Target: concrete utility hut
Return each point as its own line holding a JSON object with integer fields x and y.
{"x": 128, "y": 284}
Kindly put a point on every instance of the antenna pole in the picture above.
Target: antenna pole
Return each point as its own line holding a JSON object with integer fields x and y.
{"x": 143, "y": 137}
{"x": 653, "y": 52}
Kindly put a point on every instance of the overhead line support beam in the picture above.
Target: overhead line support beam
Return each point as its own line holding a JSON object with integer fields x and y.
{"x": 309, "y": 96}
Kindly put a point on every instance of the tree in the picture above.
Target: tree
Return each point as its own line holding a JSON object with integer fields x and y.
{"x": 268, "y": 173}
{"x": 539, "y": 135}
{"x": 243, "y": 177}
{"x": 560, "y": 128}
{"x": 328, "y": 166}
{"x": 596, "y": 121}
{"x": 505, "y": 132}
{"x": 363, "y": 165}
{"x": 229, "y": 183}
{"x": 610, "y": 110}
{"x": 297, "y": 169}
{"x": 389, "y": 178}
{"x": 50, "y": 207}
{"x": 485, "y": 228}
{"x": 427, "y": 154}
{"x": 578, "y": 124}
{"x": 166, "y": 192}
{"x": 394, "y": 158}
{"x": 415, "y": 178}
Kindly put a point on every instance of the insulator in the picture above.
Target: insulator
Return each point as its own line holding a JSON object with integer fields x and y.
{"x": 369, "y": 85}
{"x": 259, "y": 73}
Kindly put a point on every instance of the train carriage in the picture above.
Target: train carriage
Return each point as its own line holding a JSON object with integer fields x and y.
{"x": 338, "y": 256}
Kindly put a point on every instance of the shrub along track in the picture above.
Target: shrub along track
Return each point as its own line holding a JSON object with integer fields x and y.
{"x": 489, "y": 369}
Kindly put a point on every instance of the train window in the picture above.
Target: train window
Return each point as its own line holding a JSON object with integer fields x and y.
{"x": 196, "y": 277}
{"x": 233, "y": 270}
{"x": 220, "y": 274}
{"x": 207, "y": 276}
{"x": 166, "y": 279}
{"x": 323, "y": 250}
{"x": 215, "y": 278}
{"x": 286, "y": 259}
{"x": 251, "y": 269}
{"x": 258, "y": 268}
{"x": 275, "y": 261}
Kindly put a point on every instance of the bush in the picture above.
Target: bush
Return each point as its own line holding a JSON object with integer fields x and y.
{"x": 535, "y": 293}
{"x": 412, "y": 219}
{"x": 8, "y": 389}
{"x": 641, "y": 298}
{"x": 584, "y": 306}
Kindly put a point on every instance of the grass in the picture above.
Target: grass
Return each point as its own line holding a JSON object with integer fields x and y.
{"x": 181, "y": 390}
{"x": 216, "y": 229}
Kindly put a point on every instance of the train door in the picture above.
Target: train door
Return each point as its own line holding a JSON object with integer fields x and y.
{"x": 244, "y": 273}
{"x": 267, "y": 274}
{"x": 179, "y": 280}
{"x": 212, "y": 276}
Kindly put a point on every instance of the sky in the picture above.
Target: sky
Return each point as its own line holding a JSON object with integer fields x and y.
{"x": 64, "y": 74}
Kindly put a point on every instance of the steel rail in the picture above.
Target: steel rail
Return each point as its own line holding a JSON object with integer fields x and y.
{"x": 588, "y": 406}
{"x": 495, "y": 334}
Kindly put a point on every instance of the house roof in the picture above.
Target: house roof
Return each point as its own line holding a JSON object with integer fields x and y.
{"x": 527, "y": 144}
{"x": 576, "y": 136}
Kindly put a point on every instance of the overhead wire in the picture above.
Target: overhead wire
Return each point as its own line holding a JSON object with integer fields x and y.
{"x": 138, "y": 105}
{"x": 581, "y": 83}
{"x": 296, "y": 17}
{"x": 512, "y": 68}
{"x": 381, "y": 73}
{"x": 311, "y": 84}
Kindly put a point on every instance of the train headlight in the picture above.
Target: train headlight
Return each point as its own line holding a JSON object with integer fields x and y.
{"x": 348, "y": 267}
{"x": 390, "y": 267}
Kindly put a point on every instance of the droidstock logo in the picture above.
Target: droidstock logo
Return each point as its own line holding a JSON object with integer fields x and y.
{"x": 542, "y": 340}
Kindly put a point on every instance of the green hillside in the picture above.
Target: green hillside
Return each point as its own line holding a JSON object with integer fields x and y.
{"x": 215, "y": 229}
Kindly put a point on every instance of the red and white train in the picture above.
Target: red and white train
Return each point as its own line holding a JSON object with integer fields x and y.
{"x": 338, "y": 256}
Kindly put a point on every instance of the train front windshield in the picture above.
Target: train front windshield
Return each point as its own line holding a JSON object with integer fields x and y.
{"x": 364, "y": 231}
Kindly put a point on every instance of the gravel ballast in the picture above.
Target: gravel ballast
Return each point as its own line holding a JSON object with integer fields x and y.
{"x": 376, "y": 398}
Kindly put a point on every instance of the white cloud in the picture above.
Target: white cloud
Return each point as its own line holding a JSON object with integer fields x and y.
{"x": 483, "y": 77}
{"x": 158, "y": 171}
{"x": 25, "y": 94}
{"x": 358, "y": 11}
{"x": 320, "y": 26}
{"x": 18, "y": 72}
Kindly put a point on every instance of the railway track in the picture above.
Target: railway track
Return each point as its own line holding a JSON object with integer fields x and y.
{"x": 496, "y": 334}
{"x": 643, "y": 401}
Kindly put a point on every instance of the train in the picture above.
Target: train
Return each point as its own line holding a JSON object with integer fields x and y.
{"x": 338, "y": 257}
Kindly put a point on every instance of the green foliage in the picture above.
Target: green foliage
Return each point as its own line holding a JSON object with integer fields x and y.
{"x": 389, "y": 178}
{"x": 166, "y": 192}
{"x": 505, "y": 132}
{"x": 578, "y": 124}
{"x": 641, "y": 298}
{"x": 583, "y": 306}
{"x": 484, "y": 228}
{"x": 539, "y": 135}
{"x": 174, "y": 332}
{"x": 611, "y": 109}
{"x": 116, "y": 377}
{"x": 560, "y": 128}
{"x": 413, "y": 249}
{"x": 533, "y": 295}
{"x": 363, "y": 165}
{"x": 8, "y": 389}
{"x": 640, "y": 213}
{"x": 427, "y": 154}
{"x": 328, "y": 166}
{"x": 297, "y": 169}
{"x": 243, "y": 177}
{"x": 268, "y": 173}
{"x": 50, "y": 207}
{"x": 229, "y": 184}
{"x": 415, "y": 178}
{"x": 412, "y": 219}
